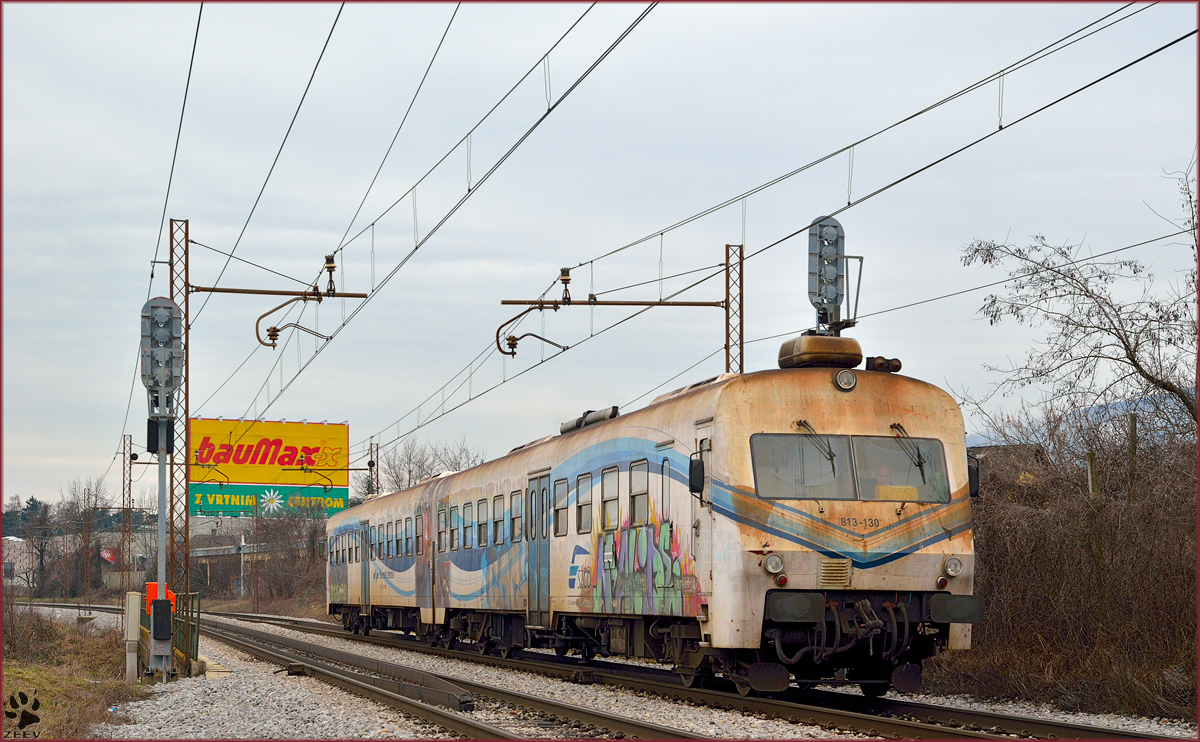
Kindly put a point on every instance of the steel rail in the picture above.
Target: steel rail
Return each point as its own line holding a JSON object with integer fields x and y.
{"x": 936, "y": 721}
{"x": 848, "y": 721}
{"x": 367, "y": 687}
{"x": 593, "y": 718}
{"x": 946, "y": 721}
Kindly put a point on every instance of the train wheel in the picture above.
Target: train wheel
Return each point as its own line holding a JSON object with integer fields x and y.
{"x": 743, "y": 689}
{"x": 691, "y": 679}
{"x": 508, "y": 652}
{"x": 561, "y": 651}
{"x": 483, "y": 646}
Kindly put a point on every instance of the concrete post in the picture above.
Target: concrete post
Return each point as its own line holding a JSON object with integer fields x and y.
{"x": 133, "y": 626}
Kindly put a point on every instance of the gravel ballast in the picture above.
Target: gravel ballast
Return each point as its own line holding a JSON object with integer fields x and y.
{"x": 628, "y": 703}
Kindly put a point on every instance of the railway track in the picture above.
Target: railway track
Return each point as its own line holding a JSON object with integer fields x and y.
{"x": 427, "y": 695}
{"x": 883, "y": 717}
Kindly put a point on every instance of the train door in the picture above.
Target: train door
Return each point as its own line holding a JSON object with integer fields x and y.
{"x": 365, "y": 576}
{"x": 702, "y": 516}
{"x": 537, "y": 513}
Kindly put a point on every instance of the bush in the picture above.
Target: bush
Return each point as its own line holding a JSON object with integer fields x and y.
{"x": 1090, "y": 598}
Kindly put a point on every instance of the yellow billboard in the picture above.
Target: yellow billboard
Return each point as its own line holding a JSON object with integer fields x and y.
{"x": 248, "y": 467}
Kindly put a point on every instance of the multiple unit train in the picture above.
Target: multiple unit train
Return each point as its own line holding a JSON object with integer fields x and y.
{"x": 807, "y": 523}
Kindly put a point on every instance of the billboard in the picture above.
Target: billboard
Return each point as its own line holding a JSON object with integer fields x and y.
{"x": 255, "y": 467}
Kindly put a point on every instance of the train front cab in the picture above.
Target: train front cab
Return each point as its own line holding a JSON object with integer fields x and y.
{"x": 850, "y": 513}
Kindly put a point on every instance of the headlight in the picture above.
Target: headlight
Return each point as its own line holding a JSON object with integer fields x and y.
{"x": 773, "y": 563}
{"x": 952, "y": 566}
{"x": 845, "y": 380}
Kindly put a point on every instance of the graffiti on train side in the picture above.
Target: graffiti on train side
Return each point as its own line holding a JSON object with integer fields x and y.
{"x": 642, "y": 569}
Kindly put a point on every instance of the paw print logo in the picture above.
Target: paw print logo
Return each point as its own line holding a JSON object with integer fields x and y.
{"x": 26, "y": 706}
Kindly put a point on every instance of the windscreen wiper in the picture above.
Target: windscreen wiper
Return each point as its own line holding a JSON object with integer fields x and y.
{"x": 912, "y": 450}
{"x": 821, "y": 444}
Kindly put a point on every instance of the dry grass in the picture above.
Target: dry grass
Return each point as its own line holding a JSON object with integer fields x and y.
{"x": 77, "y": 674}
{"x": 1090, "y": 599}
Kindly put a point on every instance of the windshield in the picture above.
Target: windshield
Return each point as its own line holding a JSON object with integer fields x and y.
{"x": 802, "y": 467}
{"x": 901, "y": 468}
{"x": 790, "y": 466}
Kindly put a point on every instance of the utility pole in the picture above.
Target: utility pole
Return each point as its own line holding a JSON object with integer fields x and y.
{"x": 126, "y": 520}
{"x": 177, "y": 449}
{"x": 373, "y": 469}
{"x": 734, "y": 284}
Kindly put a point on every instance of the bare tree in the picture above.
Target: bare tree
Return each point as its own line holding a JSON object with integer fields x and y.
{"x": 1100, "y": 347}
{"x": 413, "y": 462}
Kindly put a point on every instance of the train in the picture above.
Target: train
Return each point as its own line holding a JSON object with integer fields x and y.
{"x": 806, "y": 524}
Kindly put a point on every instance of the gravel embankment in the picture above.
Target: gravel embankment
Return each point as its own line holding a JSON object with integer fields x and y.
{"x": 1156, "y": 725}
{"x": 628, "y": 703}
{"x": 253, "y": 702}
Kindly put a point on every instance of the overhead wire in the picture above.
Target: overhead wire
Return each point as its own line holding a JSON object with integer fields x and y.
{"x": 249, "y": 262}
{"x": 401, "y": 126}
{"x": 1020, "y": 63}
{"x": 980, "y": 287}
{"x": 311, "y": 77}
{"x": 452, "y": 149}
{"x": 162, "y": 220}
{"x": 487, "y": 175}
{"x": 851, "y": 205}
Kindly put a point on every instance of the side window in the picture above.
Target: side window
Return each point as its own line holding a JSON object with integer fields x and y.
{"x": 391, "y": 536}
{"x": 516, "y": 507}
{"x": 468, "y": 526}
{"x": 665, "y": 506}
{"x": 498, "y": 522}
{"x": 560, "y": 507}
{"x": 544, "y": 507}
{"x": 399, "y": 537}
{"x": 441, "y": 528}
{"x": 331, "y": 553}
{"x": 357, "y": 547}
{"x": 483, "y": 523}
{"x": 609, "y": 512}
{"x": 639, "y": 493}
{"x": 583, "y": 504}
{"x": 454, "y": 523}
{"x": 408, "y": 537}
{"x": 373, "y": 536}
{"x": 419, "y": 527}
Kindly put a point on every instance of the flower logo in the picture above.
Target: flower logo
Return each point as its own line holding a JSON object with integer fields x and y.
{"x": 272, "y": 501}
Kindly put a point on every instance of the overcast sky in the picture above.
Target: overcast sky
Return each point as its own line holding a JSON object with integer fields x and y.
{"x": 698, "y": 104}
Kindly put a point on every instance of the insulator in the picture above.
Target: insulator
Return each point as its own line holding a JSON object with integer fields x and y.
{"x": 511, "y": 341}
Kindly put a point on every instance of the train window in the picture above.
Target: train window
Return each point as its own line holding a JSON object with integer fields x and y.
{"x": 441, "y": 528}
{"x": 468, "y": 526}
{"x": 407, "y": 537}
{"x": 391, "y": 535}
{"x": 515, "y": 507}
{"x": 665, "y": 507}
{"x": 419, "y": 528}
{"x": 609, "y": 509}
{"x": 357, "y": 549}
{"x": 373, "y": 555}
{"x": 483, "y": 523}
{"x": 454, "y": 523}
{"x": 331, "y": 553}
{"x": 498, "y": 519}
{"x": 639, "y": 493}
{"x": 900, "y": 468}
{"x": 544, "y": 507}
{"x": 583, "y": 504}
{"x": 561, "y": 487}
{"x": 790, "y": 466}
